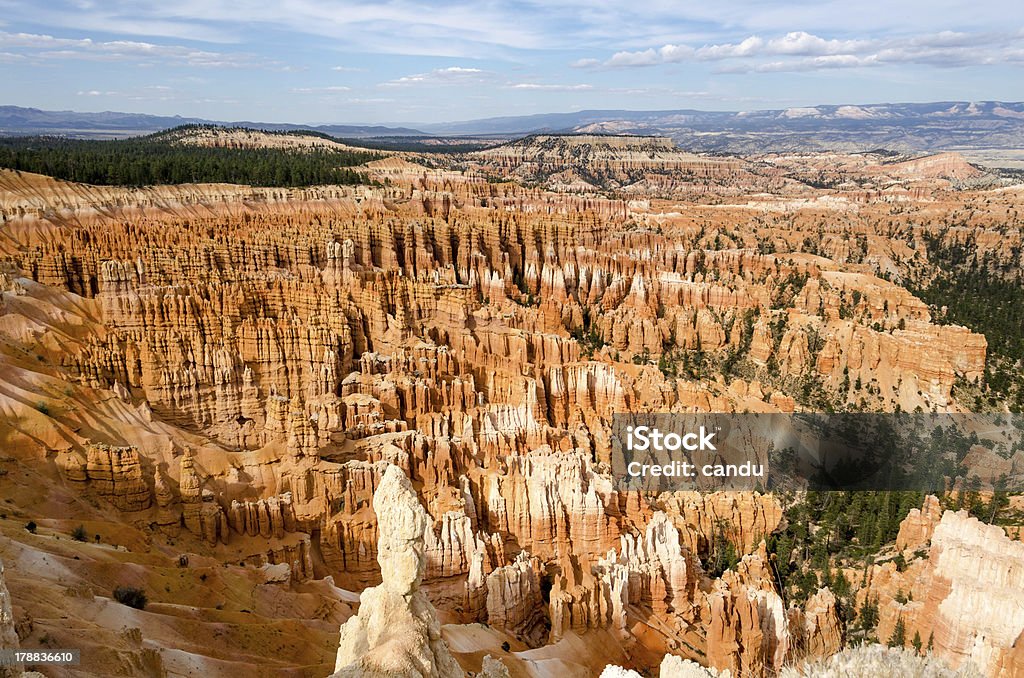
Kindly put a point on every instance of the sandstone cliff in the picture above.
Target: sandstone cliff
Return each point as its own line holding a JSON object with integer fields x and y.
{"x": 963, "y": 599}
{"x": 223, "y": 372}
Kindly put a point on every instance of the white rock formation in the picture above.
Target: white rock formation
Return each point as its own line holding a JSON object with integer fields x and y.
{"x": 8, "y": 636}
{"x": 396, "y": 633}
{"x": 611, "y": 671}
{"x": 677, "y": 667}
{"x": 493, "y": 668}
{"x": 671, "y": 667}
{"x": 513, "y": 593}
{"x": 983, "y": 616}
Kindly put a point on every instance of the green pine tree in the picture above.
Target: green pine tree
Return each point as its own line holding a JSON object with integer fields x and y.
{"x": 899, "y": 634}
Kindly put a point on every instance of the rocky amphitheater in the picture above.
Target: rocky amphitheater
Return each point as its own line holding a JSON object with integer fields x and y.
{"x": 364, "y": 431}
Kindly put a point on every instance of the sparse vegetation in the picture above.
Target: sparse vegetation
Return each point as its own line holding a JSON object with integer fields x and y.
{"x": 899, "y": 634}
{"x": 131, "y": 596}
{"x": 826, "y": 530}
{"x": 722, "y": 553}
{"x": 873, "y": 660}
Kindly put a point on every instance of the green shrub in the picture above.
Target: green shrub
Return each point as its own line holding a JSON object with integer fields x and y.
{"x": 131, "y": 596}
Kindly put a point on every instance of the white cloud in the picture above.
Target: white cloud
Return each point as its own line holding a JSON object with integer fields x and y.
{"x": 674, "y": 53}
{"x": 452, "y": 75}
{"x": 464, "y": 28}
{"x": 346, "y": 69}
{"x": 143, "y": 53}
{"x": 748, "y": 47}
{"x": 805, "y": 64}
{"x": 458, "y": 70}
{"x": 648, "y": 57}
{"x": 320, "y": 90}
{"x": 666, "y": 54}
{"x": 796, "y": 43}
{"x": 801, "y": 43}
{"x": 550, "y": 88}
{"x": 802, "y": 51}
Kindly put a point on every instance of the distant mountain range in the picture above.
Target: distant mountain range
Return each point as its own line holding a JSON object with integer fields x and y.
{"x": 17, "y": 121}
{"x": 947, "y": 125}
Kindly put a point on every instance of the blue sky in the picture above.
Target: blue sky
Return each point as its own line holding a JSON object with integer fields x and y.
{"x": 315, "y": 61}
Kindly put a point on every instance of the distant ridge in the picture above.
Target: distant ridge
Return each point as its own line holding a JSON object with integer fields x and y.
{"x": 648, "y": 122}
{"x": 915, "y": 127}
{"x": 19, "y": 121}
{"x": 906, "y": 127}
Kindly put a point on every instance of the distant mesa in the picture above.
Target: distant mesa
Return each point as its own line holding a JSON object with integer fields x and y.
{"x": 17, "y": 120}
{"x": 936, "y": 126}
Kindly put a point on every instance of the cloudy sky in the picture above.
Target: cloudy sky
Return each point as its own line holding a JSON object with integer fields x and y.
{"x": 313, "y": 61}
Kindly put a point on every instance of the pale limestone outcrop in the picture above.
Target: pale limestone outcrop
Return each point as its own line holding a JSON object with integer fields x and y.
{"x": 296, "y": 556}
{"x": 270, "y": 517}
{"x": 748, "y": 631}
{"x": 651, "y": 571}
{"x": 677, "y": 667}
{"x": 493, "y": 668}
{"x": 965, "y": 600}
{"x": 396, "y": 633}
{"x": 514, "y": 599}
{"x": 8, "y": 636}
{"x": 116, "y": 475}
{"x": 475, "y": 605}
{"x": 671, "y": 667}
{"x": 168, "y": 515}
{"x": 202, "y": 515}
{"x": 917, "y": 528}
{"x": 547, "y": 496}
{"x": 747, "y": 625}
{"x": 452, "y": 545}
{"x": 667, "y": 575}
{"x": 744, "y": 518}
{"x": 817, "y": 628}
{"x": 982, "y": 617}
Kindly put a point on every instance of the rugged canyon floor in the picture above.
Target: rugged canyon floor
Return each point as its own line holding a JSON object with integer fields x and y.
{"x": 203, "y": 386}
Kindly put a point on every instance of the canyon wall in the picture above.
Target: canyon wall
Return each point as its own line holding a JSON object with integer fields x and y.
{"x": 233, "y": 369}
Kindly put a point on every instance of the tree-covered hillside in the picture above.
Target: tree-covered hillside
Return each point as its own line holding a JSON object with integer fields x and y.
{"x": 156, "y": 159}
{"x": 986, "y": 294}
